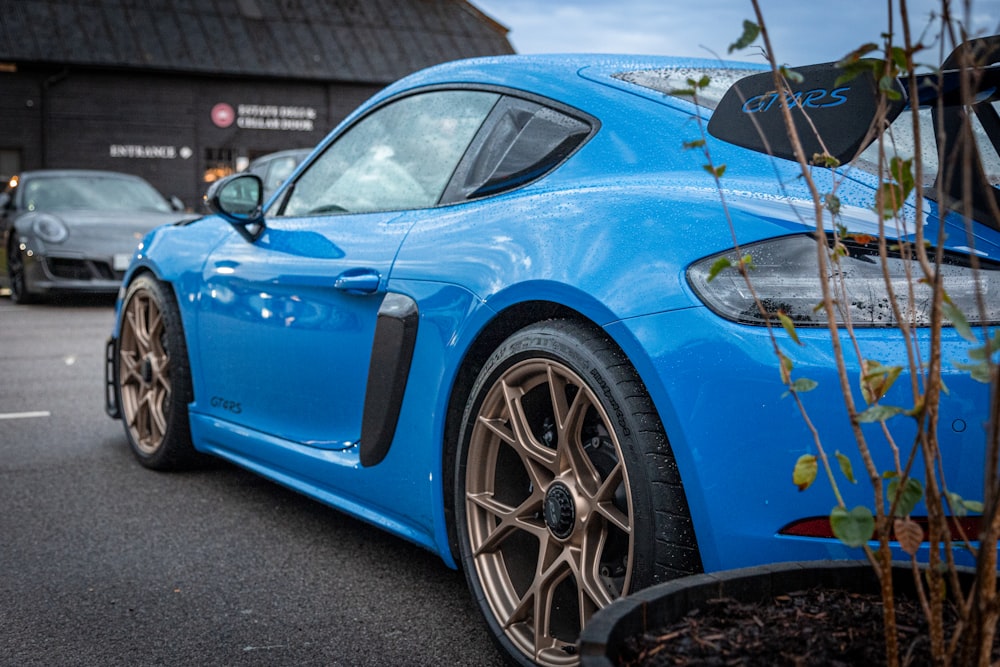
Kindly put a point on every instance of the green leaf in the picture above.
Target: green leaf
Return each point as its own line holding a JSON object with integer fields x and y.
{"x": 789, "y": 326}
{"x": 856, "y": 68}
{"x": 750, "y": 33}
{"x": 911, "y": 494}
{"x": 718, "y": 267}
{"x": 846, "y": 468}
{"x": 854, "y": 528}
{"x": 785, "y": 365}
{"x": 877, "y": 380}
{"x": 879, "y": 413}
{"x": 957, "y": 318}
{"x": 715, "y": 171}
{"x": 791, "y": 75}
{"x": 986, "y": 351}
{"x": 697, "y": 143}
{"x": 917, "y": 411}
{"x": 806, "y": 469}
{"x": 899, "y": 58}
{"x": 973, "y": 506}
{"x": 902, "y": 171}
{"x": 856, "y": 55}
{"x": 980, "y": 372}
{"x": 802, "y": 385}
{"x": 890, "y": 198}
{"x": 887, "y": 85}
{"x": 832, "y": 203}
{"x": 825, "y": 160}
{"x": 961, "y": 507}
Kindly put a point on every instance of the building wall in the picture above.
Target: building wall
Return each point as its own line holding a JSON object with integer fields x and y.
{"x": 177, "y": 131}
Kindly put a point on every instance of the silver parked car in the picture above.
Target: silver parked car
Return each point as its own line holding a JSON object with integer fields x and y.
{"x": 74, "y": 230}
{"x": 275, "y": 168}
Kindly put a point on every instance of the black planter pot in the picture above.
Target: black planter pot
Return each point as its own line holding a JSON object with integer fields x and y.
{"x": 603, "y": 638}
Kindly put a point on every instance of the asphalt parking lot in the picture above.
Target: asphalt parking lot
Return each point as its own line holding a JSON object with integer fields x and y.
{"x": 103, "y": 562}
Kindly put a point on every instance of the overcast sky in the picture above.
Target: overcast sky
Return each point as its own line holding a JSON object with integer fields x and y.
{"x": 802, "y": 31}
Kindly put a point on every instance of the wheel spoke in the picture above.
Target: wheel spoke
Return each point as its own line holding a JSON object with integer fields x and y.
{"x": 508, "y": 520}
{"x": 157, "y": 419}
{"x": 129, "y": 364}
{"x": 604, "y": 504}
{"x": 572, "y": 454}
{"x": 524, "y": 440}
{"x": 536, "y": 605}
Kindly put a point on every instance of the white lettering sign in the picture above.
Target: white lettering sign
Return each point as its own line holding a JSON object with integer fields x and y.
{"x": 274, "y": 117}
{"x": 149, "y": 152}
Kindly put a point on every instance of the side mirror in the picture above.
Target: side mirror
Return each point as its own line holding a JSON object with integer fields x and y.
{"x": 238, "y": 199}
{"x": 176, "y": 203}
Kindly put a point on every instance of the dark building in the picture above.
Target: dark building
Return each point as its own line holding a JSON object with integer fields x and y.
{"x": 184, "y": 91}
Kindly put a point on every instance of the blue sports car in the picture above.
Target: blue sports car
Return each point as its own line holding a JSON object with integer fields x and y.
{"x": 480, "y": 316}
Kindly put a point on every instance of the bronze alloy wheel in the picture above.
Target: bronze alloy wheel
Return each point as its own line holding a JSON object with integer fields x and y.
{"x": 549, "y": 514}
{"x": 556, "y": 517}
{"x": 153, "y": 379}
{"x": 144, "y": 373}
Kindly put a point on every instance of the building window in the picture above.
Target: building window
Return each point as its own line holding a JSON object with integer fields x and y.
{"x": 219, "y": 163}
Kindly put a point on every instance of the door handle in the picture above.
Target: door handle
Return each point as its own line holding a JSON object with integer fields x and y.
{"x": 358, "y": 281}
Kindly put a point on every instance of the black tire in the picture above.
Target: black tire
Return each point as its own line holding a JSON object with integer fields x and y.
{"x": 153, "y": 377}
{"x": 20, "y": 291}
{"x": 583, "y": 479}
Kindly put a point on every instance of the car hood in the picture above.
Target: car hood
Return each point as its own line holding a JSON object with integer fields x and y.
{"x": 114, "y": 219}
{"x": 103, "y": 224}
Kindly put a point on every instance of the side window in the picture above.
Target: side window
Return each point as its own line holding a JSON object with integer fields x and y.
{"x": 400, "y": 156}
{"x": 525, "y": 141}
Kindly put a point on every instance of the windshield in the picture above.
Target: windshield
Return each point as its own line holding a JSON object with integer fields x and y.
{"x": 91, "y": 192}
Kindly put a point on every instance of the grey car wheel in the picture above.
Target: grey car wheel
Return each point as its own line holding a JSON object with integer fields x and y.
{"x": 567, "y": 496}
{"x": 153, "y": 376}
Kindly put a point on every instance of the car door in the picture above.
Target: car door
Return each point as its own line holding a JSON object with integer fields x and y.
{"x": 286, "y": 323}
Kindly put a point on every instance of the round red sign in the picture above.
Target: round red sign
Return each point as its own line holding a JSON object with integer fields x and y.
{"x": 223, "y": 115}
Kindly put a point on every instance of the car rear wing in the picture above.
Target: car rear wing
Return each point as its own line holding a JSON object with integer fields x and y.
{"x": 836, "y": 118}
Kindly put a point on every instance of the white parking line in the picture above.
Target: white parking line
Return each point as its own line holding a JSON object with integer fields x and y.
{"x": 25, "y": 415}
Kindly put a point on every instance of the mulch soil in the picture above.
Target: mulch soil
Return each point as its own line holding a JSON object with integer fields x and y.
{"x": 816, "y": 627}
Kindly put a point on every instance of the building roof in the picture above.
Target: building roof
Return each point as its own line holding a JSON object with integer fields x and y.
{"x": 364, "y": 41}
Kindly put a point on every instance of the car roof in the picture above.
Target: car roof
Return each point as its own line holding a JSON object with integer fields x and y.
{"x": 54, "y": 173}
{"x": 555, "y": 75}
